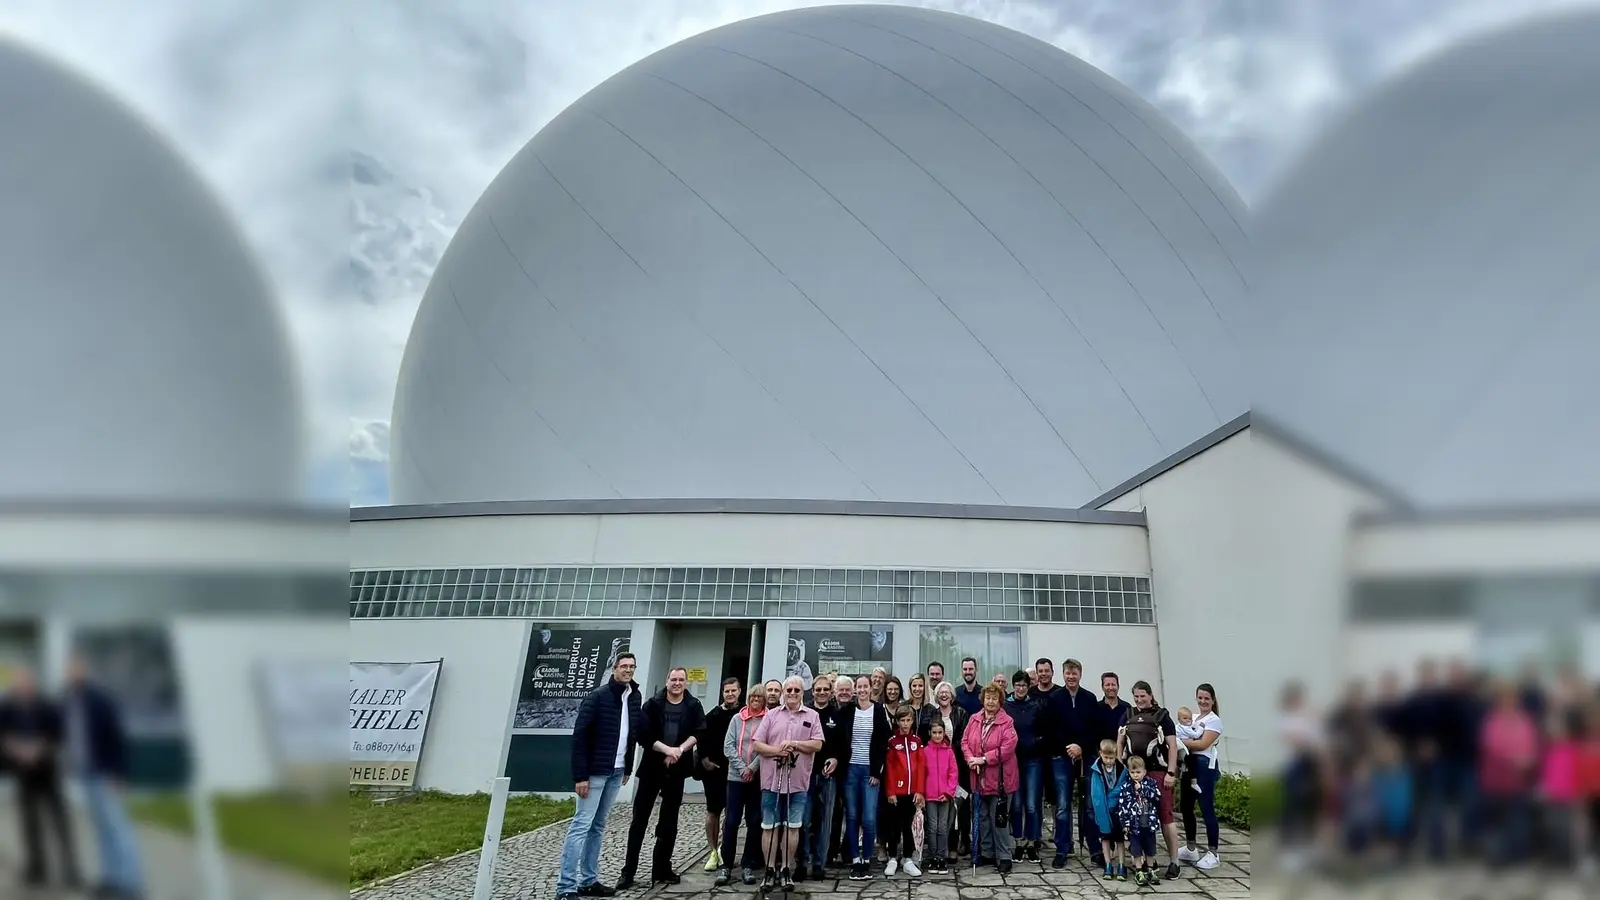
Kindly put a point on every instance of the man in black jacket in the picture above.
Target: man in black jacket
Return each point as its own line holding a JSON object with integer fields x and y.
{"x": 673, "y": 720}
{"x": 602, "y": 759}
{"x": 31, "y": 736}
{"x": 1068, "y": 713}
{"x": 711, "y": 767}
{"x": 1023, "y": 707}
{"x": 824, "y": 783}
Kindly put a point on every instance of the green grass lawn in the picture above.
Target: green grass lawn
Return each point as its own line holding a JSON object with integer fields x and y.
{"x": 307, "y": 835}
{"x": 390, "y": 838}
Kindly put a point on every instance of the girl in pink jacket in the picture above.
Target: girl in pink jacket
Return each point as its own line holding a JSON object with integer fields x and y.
{"x": 990, "y": 744}
{"x": 941, "y": 774}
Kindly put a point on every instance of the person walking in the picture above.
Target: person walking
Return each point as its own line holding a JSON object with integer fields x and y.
{"x": 815, "y": 838}
{"x": 31, "y": 736}
{"x": 789, "y": 738}
{"x": 97, "y": 754}
{"x": 602, "y": 762}
{"x": 991, "y": 752}
{"x": 738, "y": 747}
{"x": 711, "y": 768}
{"x": 672, "y": 721}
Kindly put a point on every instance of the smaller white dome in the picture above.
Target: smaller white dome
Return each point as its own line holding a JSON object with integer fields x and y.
{"x": 143, "y": 356}
{"x": 1425, "y": 300}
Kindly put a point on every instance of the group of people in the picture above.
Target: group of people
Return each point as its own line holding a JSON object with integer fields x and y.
{"x": 47, "y": 743}
{"x": 1461, "y": 765}
{"x": 913, "y": 774}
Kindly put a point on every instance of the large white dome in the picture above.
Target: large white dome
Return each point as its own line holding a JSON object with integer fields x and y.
{"x": 1426, "y": 305}
{"x": 837, "y": 253}
{"x": 142, "y": 356}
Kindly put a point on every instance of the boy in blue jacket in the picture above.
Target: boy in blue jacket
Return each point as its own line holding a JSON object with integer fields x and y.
{"x": 1106, "y": 779}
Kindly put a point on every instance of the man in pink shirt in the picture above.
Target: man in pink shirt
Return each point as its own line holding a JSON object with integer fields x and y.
{"x": 789, "y": 737}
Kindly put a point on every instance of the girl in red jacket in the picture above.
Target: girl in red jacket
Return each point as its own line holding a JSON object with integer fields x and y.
{"x": 905, "y": 777}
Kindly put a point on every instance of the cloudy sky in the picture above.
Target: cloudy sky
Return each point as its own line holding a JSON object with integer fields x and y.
{"x": 351, "y": 138}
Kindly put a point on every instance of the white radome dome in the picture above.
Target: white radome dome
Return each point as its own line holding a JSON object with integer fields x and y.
{"x": 1425, "y": 307}
{"x": 844, "y": 253}
{"x": 143, "y": 357}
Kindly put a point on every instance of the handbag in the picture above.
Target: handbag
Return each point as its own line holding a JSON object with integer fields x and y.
{"x": 1002, "y": 803}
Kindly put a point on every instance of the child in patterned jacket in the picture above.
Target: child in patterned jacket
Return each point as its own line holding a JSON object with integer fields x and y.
{"x": 1138, "y": 805}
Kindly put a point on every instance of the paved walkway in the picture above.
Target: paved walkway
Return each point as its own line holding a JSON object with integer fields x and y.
{"x": 527, "y": 865}
{"x": 171, "y": 865}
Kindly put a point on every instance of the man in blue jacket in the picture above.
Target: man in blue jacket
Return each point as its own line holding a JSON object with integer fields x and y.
{"x": 602, "y": 759}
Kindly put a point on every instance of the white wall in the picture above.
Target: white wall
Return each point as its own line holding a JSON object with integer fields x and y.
{"x": 218, "y": 660}
{"x": 1371, "y": 649}
{"x": 1477, "y": 548}
{"x": 725, "y": 539}
{"x": 1248, "y": 545}
{"x": 1129, "y": 650}
{"x": 469, "y": 733}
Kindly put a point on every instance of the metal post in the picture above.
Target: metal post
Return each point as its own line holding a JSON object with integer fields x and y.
{"x": 491, "y": 839}
{"x": 208, "y": 844}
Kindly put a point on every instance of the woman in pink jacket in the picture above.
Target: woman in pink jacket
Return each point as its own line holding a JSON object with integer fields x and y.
{"x": 1508, "y": 768}
{"x": 990, "y": 745}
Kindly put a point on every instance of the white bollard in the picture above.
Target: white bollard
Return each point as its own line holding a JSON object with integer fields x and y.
{"x": 491, "y": 839}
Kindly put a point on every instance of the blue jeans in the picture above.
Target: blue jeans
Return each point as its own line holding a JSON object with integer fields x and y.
{"x": 119, "y": 853}
{"x": 744, "y": 800}
{"x": 860, "y": 813}
{"x": 1025, "y": 824}
{"x": 1063, "y": 773}
{"x": 814, "y": 840}
{"x": 580, "y": 855}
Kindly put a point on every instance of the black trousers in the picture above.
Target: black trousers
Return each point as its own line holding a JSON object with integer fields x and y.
{"x": 897, "y": 828}
{"x": 669, "y": 787}
{"x": 38, "y": 798}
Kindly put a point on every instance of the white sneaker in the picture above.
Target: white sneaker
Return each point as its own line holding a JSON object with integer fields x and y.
{"x": 890, "y": 867}
{"x": 1187, "y": 855}
{"x": 1209, "y": 861}
{"x": 911, "y": 868}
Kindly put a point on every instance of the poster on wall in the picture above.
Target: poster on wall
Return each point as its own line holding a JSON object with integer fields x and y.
{"x": 816, "y": 652}
{"x": 136, "y": 665}
{"x": 564, "y": 666}
{"x": 390, "y": 704}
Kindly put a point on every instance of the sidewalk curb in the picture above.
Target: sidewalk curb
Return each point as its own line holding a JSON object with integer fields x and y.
{"x": 374, "y": 885}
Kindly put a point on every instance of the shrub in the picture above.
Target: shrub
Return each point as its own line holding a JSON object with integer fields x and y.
{"x": 1234, "y": 800}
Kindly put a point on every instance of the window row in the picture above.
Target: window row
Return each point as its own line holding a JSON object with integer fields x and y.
{"x": 756, "y": 609}
{"x": 633, "y": 575}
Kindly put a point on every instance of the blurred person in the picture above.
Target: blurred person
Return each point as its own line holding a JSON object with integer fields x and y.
{"x": 991, "y": 753}
{"x": 789, "y": 738}
{"x": 1024, "y": 708}
{"x": 671, "y": 723}
{"x": 744, "y": 798}
{"x": 1152, "y": 736}
{"x": 712, "y": 770}
{"x": 1138, "y": 812}
{"x": 97, "y": 752}
{"x": 817, "y": 834}
{"x": 905, "y": 784}
{"x": 31, "y": 735}
{"x": 1422, "y": 723}
{"x": 1508, "y": 767}
{"x": 1458, "y": 751}
{"x": 940, "y": 786}
{"x": 603, "y": 741}
{"x": 1200, "y": 787}
{"x": 1589, "y": 791}
{"x": 1560, "y": 791}
{"x": 1303, "y": 774}
{"x": 1394, "y": 792}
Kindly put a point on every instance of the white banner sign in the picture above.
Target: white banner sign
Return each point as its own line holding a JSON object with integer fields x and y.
{"x": 389, "y": 708}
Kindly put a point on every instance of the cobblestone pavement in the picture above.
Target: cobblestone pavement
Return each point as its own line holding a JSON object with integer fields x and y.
{"x": 171, "y": 865}
{"x": 528, "y": 864}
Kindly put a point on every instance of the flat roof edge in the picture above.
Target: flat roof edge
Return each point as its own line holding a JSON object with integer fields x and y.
{"x": 669, "y": 506}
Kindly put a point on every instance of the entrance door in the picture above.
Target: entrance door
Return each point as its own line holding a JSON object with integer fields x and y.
{"x": 711, "y": 652}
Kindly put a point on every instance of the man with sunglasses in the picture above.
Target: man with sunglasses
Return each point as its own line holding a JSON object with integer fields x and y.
{"x": 788, "y": 738}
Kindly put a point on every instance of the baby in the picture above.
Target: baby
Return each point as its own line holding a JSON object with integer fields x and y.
{"x": 1188, "y": 731}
